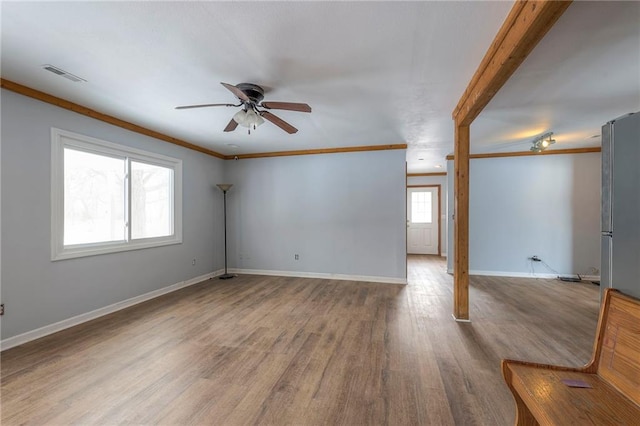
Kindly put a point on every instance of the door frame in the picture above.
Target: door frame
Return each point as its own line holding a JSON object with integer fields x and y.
{"x": 435, "y": 185}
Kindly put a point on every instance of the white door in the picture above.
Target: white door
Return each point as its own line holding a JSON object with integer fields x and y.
{"x": 422, "y": 220}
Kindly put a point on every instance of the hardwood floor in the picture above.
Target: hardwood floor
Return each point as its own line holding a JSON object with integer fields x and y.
{"x": 275, "y": 350}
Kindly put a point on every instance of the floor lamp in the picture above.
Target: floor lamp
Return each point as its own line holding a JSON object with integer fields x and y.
{"x": 225, "y": 187}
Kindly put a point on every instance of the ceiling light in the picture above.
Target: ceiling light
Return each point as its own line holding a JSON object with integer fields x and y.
{"x": 541, "y": 143}
{"x": 248, "y": 118}
{"x": 232, "y": 145}
{"x": 438, "y": 166}
{"x": 240, "y": 117}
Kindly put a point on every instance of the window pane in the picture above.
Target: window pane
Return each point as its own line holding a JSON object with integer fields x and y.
{"x": 93, "y": 198}
{"x": 151, "y": 201}
{"x": 421, "y": 207}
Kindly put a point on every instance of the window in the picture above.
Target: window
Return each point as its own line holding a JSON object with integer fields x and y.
{"x": 421, "y": 207}
{"x": 108, "y": 198}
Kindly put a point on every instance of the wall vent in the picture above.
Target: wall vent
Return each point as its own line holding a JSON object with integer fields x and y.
{"x": 63, "y": 73}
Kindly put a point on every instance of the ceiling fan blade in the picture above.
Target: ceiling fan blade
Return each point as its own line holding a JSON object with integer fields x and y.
{"x": 239, "y": 93}
{"x": 205, "y": 106}
{"x": 231, "y": 126}
{"x": 290, "y": 106}
{"x": 279, "y": 122}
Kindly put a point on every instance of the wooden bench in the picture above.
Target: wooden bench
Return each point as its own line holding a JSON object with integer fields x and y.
{"x": 613, "y": 374}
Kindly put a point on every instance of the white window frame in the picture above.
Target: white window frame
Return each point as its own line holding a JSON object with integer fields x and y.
{"x": 61, "y": 139}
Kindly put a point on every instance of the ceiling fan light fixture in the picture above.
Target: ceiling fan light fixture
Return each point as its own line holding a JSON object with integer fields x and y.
{"x": 250, "y": 97}
{"x": 240, "y": 117}
{"x": 251, "y": 118}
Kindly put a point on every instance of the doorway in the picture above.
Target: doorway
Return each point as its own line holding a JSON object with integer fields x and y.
{"x": 423, "y": 219}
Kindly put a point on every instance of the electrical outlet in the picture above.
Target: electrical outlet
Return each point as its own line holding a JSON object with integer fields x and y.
{"x": 1, "y": 308}
{"x": 193, "y": 262}
{"x": 535, "y": 258}
{"x": 296, "y": 257}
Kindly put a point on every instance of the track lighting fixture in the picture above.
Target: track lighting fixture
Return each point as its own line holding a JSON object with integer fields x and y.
{"x": 541, "y": 143}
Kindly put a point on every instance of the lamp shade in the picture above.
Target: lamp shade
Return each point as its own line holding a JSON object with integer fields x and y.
{"x": 224, "y": 186}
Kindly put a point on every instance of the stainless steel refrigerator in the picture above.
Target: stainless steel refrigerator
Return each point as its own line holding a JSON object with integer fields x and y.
{"x": 620, "y": 266}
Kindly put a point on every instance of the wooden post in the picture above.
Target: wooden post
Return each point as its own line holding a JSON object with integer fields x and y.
{"x": 461, "y": 224}
{"x": 524, "y": 27}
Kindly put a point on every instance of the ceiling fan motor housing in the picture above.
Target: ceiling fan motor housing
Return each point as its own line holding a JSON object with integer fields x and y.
{"x": 253, "y": 91}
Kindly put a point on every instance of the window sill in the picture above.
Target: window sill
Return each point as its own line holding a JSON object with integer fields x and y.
{"x": 117, "y": 247}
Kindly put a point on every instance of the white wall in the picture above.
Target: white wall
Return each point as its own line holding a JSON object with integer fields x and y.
{"x": 38, "y": 292}
{"x": 547, "y": 206}
{"x": 442, "y": 181}
{"x": 342, "y": 213}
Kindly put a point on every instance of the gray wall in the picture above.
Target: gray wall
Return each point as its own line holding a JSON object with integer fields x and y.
{"x": 39, "y": 292}
{"x": 442, "y": 181}
{"x": 342, "y": 213}
{"x": 547, "y": 206}
{"x": 450, "y": 212}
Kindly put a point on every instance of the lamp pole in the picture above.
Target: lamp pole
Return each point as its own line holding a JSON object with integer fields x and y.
{"x": 225, "y": 187}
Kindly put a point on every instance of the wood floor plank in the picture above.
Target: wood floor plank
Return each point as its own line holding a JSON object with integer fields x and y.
{"x": 289, "y": 351}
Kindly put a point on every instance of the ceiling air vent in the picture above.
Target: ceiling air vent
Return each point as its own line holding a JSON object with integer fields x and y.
{"x": 63, "y": 73}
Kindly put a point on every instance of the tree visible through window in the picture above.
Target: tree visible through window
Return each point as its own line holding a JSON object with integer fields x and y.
{"x": 108, "y": 197}
{"x": 150, "y": 200}
{"x": 94, "y": 201}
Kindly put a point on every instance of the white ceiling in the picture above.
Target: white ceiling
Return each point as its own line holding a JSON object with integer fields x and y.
{"x": 374, "y": 73}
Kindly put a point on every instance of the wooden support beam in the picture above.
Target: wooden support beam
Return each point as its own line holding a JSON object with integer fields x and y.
{"x": 461, "y": 224}
{"x": 525, "y": 26}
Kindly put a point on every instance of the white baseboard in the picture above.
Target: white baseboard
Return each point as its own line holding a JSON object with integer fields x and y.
{"x": 88, "y": 316}
{"x": 511, "y": 274}
{"x": 460, "y": 319}
{"x": 362, "y": 278}
{"x": 522, "y": 274}
{"x": 590, "y": 277}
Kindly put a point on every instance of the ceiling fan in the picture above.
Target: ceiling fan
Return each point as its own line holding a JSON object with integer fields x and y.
{"x": 253, "y": 109}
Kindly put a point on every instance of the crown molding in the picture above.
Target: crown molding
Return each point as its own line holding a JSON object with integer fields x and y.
{"x": 80, "y": 109}
{"x": 530, "y": 153}
{"x": 317, "y": 151}
{"x": 427, "y": 174}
